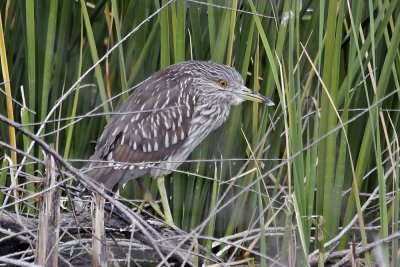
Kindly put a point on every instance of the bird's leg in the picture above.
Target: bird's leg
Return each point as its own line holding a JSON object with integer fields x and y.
{"x": 164, "y": 201}
{"x": 148, "y": 198}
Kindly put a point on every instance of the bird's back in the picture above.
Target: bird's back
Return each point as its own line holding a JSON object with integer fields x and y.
{"x": 148, "y": 128}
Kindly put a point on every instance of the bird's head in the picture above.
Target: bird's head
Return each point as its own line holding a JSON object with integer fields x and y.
{"x": 224, "y": 83}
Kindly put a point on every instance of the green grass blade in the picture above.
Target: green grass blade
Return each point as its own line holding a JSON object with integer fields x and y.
{"x": 95, "y": 59}
{"x": 48, "y": 58}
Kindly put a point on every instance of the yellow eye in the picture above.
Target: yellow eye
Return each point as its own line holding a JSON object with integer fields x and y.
{"x": 223, "y": 83}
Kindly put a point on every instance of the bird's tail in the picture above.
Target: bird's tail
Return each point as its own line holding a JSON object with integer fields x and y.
{"x": 110, "y": 177}
{"x": 103, "y": 175}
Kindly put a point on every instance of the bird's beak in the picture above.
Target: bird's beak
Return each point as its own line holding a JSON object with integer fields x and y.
{"x": 254, "y": 96}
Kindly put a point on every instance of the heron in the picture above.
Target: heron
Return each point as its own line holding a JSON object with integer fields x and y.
{"x": 163, "y": 120}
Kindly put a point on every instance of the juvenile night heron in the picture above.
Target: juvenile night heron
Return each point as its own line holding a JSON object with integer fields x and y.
{"x": 163, "y": 121}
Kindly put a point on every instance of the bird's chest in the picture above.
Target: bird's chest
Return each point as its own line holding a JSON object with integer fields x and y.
{"x": 204, "y": 121}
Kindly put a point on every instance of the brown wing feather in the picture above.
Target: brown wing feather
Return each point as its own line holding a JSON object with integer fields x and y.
{"x": 149, "y": 127}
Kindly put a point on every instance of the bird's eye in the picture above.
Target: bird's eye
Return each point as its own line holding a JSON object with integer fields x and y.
{"x": 223, "y": 83}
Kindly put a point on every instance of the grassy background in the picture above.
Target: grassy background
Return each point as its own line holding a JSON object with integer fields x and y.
{"x": 317, "y": 172}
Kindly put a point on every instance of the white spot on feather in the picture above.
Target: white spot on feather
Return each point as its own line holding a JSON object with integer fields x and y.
{"x": 175, "y": 139}
{"x": 180, "y": 118}
{"x": 144, "y": 134}
{"x": 166, "y": 123}
{"x": 115, "y": 132}
{"x": 166, "y": 140}
{"x": 155, "y": 146}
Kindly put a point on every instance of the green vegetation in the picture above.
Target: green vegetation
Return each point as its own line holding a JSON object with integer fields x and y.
{"x": 319, "y": 171}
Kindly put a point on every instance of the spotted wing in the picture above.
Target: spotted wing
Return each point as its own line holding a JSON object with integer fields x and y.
{"x": 149, "y": 127}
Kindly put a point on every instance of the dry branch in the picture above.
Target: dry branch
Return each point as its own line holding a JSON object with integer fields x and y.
{"x": 122, "y": 240}
{"x": 162, "y": 240}
{"x": 48, "y": 225}
{"x": 99, "y": 254}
